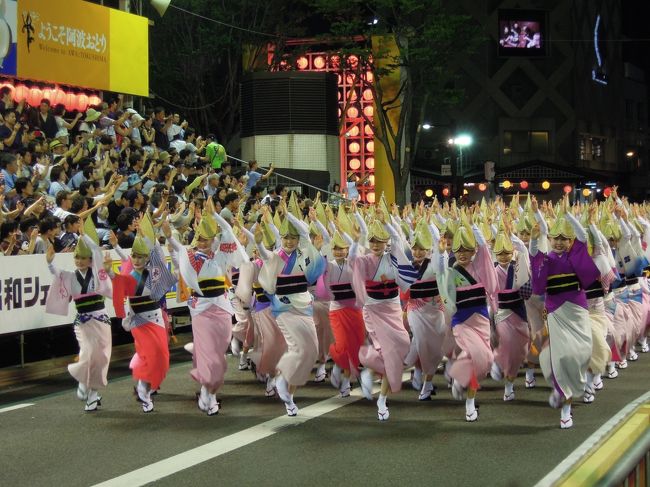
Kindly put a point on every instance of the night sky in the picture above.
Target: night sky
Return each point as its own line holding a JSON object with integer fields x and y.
{"x": 636, "y": 27}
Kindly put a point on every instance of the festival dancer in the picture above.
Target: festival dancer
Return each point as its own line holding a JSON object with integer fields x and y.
{"x": 269, "y": 345}
{"x": 377, "y": 277}
{"x": 563, "y": 274}
{"x": 511, "y": 322}
{"x": 467, "y": 287}
{"x": 426, "y": 318}
{"x": 345, "y": 316}
{"x": 87, "y": 287}
{"x": 144, "y": 281}
{"x": 204, "y": 270}
{"x": 600, "y": 321}
{"x": 534, "y": 303}
{"x": 285, "y": 276}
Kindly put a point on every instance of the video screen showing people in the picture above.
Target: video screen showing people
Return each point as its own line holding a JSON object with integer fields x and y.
{"x": 523, "y": 33}
{"x": 520, "y": 34}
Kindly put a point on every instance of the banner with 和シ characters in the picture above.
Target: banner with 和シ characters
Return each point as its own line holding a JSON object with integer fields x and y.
{"x": 77, "y": 43}
{"x": 24, "y": 283}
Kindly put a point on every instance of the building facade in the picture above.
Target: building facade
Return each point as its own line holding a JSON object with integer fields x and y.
{"x": 546, "y": 86}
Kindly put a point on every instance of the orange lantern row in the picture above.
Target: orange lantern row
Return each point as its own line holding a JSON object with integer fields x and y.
{"x": 56, "y": 96}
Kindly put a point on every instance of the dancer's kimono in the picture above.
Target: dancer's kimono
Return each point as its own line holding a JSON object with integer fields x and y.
{"x": 143, "y": 317}
{"x": 345, "y": 317}
{"x": 92, "y": 325}
{"x": 269, "y": 345}
{"x": 286, "y": 277}
{"x": 425, "y": 314}
{"x": 564, "y": 277}
{"x": 376, "y": 283}
{"x": 209, "y": 304}
{"x": 600, "y": 320}
{"x": 511, "y": 321}
{"x": 467, "y": 291}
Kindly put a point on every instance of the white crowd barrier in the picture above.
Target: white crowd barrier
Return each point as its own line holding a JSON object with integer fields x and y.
{"x": 24, "y": 283}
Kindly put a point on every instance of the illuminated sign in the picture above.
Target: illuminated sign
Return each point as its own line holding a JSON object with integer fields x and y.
{"x": 78, "y": 43}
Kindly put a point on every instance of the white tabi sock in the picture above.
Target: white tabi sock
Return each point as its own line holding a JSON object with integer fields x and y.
{"x": 345, "y": 383}
{"x": 509, "y": 388}
{"x": 530, "y": 374}
{"x": 597, "y": 379}
{"x": 469, "y": 406}
{"x": 589, "y": 385}
{"x": 381, "y": 402}
{"x": 611, "y": 366}
{"x": 566, "y": 412}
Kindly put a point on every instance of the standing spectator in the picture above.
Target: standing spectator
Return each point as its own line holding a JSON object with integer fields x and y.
{"x": 161, "y": 125}
{"x": 6, "y": 102}
{"x": 11, "y": 133}
{"x": 215, "y": 154}
{"x": 45, "y": 120}
{"x": 254, "y": 177}
{"x": 61, "y": 124}
{"x": 177, "y": 128}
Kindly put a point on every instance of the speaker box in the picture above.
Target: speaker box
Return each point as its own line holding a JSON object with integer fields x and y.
{"x": 289, "y": 102}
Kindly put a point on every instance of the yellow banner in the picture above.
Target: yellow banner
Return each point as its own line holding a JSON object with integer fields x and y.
{"x": 79, "y": 43}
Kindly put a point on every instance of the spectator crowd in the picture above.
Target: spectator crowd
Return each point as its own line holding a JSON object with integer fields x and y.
{"x": 113, "y": 164}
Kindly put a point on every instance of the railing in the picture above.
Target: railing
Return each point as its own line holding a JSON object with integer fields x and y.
{"x": 618, "y": 454}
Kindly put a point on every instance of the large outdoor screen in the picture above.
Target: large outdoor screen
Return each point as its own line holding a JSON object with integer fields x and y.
{"x": 522, "y": 33}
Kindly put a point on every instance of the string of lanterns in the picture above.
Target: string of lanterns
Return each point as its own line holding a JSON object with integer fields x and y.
{"x": 546, "y": 185}
{"x": 33, "y": 96}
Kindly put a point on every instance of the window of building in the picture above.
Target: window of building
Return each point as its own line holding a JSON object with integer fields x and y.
{"x": 592, "y": 148}
{"x": 629, "y": 109}
{"x": 597, "y": 147}
{"x": 583, "y": 148}
{"x": 539, "y": 142}
{"x": 523, "y": 141}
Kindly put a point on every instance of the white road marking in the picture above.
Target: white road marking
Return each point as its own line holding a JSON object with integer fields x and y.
{"x": 195, "y": 456}
{"x": 591, "y": 443}
{"x": 16, "y": 406}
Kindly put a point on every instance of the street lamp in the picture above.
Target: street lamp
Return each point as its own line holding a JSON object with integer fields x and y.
{"x": 426, "y": 126}
{"x": 461, "y": 141}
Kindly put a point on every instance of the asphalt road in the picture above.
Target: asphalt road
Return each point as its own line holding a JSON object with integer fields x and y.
{"x": 55, "y": 443}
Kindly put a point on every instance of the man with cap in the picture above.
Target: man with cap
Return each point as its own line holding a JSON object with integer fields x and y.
{"x": 87, "y": 287}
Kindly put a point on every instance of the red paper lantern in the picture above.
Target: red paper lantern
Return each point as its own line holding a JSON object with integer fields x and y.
{"x": 445, "y": 191}
{"x": 303, "y": 62}
{"x": 524, "y": 185}
{"x": 482, "y": 187}
{"x": 568, "y": 188}
{"x": 20, "y": 93}
{"x": 70, "y": 101}
{"x": 48, "y": 93}
{"x": 58, "y": 97}
{"x": 607, "y": 192}
{"x": 94, "y": 100}
{"x": 34, "y": 97}
{"x": 82, "y": 102}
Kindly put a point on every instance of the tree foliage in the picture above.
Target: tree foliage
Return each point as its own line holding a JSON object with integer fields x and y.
{"x": 430, "y": 38}
{"x": 196, "y": 64}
